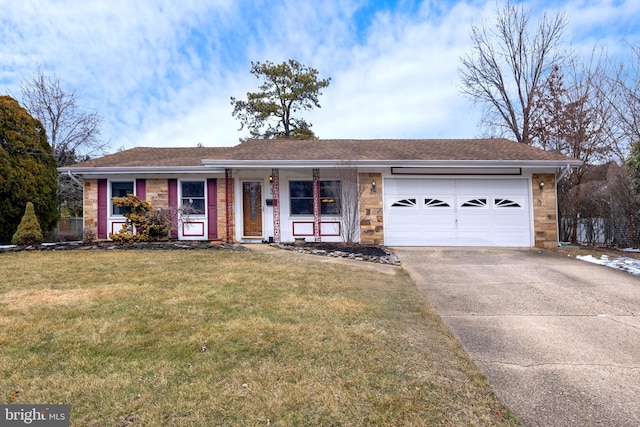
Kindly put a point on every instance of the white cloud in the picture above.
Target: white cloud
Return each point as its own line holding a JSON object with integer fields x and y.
{"x": 161, "y": 72}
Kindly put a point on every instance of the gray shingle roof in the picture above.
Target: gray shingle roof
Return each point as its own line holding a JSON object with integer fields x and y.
{"x": 149, "y": 157}
{"x": 330, "y": 149}
{"x": 390, "y": 149}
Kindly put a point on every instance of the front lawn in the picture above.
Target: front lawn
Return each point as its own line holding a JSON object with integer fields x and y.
{"x": 204, "y": 338}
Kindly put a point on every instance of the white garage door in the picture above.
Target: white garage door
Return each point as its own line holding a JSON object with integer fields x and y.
{"x": 457, "y": 212}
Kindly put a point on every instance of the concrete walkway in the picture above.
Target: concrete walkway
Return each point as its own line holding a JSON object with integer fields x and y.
{"x": 558, "y": 338}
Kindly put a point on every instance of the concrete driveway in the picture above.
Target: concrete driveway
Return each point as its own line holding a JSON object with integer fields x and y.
{"x": 558, "y": 338}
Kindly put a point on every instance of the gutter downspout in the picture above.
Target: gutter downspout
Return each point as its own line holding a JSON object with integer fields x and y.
{"x": 566, "y": 171}
{"x": 74, "y": 179}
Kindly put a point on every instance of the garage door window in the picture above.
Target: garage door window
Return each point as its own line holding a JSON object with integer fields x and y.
{"x": 404, "y": 203}
{"x": 507, "y": 203}
{"x": 436, "y": 203}
{"x": 474, "y": 203}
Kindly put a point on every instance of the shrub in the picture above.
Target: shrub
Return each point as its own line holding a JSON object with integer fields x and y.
{"x": 142, "y": 224}
{"x": 29, "y": 231}
{"x": 157, "y": 225}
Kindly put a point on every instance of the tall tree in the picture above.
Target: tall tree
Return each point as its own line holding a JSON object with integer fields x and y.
{"x": 27, "y": 170}
{"x": 286, "y": 89}
{"x": 570, "y": 119}
{"x": 624, "y": 97}
{"x": 74, "y": 134}
{"x": 508, "y": 64}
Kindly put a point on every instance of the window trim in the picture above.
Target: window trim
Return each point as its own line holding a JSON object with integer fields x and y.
{"x": 111, "y": 196}
{"x": 204, "y": 197}
{"x": 324, "y": 201}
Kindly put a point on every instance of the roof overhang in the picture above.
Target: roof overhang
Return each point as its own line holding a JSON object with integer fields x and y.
{"x": 219, "y": 166}
{"x": 300, "y": 164}
{"x": 140, "y": 170}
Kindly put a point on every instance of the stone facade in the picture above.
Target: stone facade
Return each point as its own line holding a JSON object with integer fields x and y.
{"x": 545, "y": 214}
{"x": 158, "y": 193}
{"x": 371, "y": 207}
{"x": 90, "y": 207}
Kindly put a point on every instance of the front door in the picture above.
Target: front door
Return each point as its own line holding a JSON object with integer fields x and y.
{"x": 252, "y": 208}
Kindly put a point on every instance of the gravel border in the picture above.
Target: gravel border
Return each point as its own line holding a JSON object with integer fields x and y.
{"x": 123, "y": 247}
{"x": 389, "y": 257}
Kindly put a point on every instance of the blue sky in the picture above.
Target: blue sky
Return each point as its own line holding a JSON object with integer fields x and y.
{"x": 161, "y": 72}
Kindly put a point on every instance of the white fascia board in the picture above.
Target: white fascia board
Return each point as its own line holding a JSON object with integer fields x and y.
{"x": 142, "y": 170}
{"x": 300, "y": 164}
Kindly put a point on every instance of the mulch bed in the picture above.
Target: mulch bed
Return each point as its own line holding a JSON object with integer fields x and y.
{"x": 350, "y": 249}
{"x": 378, "y": 254}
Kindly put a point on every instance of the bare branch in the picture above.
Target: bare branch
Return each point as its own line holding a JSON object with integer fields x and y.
{"x": 507, "y": 66}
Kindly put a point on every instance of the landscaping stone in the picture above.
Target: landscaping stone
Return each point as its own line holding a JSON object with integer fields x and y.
{"x": 378, "y": 254}
{"x": 131, "y": 246}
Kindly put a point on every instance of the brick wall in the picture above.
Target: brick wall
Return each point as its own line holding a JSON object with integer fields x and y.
{"x": 90, "y": 208}
{"x": 545, "y": 218}
{"x": 222, "y": 210}
{"x": 371, "y": 219}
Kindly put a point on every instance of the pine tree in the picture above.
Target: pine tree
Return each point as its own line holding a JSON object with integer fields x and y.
{"x": 28, "y": 232}
{"x": 27, "y": 170}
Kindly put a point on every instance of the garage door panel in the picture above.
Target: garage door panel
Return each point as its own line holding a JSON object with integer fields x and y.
{"x": 418, "y": 222}
{"x": 408, "y": 187}
{"x": 458, "y": 212}
{"x": 508, "y": 221}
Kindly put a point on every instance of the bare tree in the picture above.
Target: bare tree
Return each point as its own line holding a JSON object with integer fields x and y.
{"x": 508, "y": 65}
{"x": 571, "y": 120}
{"x": 624, "y": 97}
{"x": 74, "y": 134}
{"x": 350, "y": 197}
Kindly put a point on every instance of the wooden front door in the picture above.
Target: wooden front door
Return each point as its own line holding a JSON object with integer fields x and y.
{"x": 252, "y": 208}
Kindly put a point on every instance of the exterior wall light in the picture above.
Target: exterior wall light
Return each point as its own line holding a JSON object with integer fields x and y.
{"x": 541, "y": 184}
{"x": 270, "y": 179}
{"x": 373, "y": 186}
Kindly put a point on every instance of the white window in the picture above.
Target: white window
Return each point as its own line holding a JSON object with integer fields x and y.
{"x": 193, "y": 201}
{"x": 301, "y": 197}
{"x": 120, "y": 189}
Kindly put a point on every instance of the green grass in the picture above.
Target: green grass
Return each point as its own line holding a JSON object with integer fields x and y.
{"x": 203, "y": 338}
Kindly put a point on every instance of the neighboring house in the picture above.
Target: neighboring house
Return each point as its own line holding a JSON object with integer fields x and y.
{"x": 474, "y": 192}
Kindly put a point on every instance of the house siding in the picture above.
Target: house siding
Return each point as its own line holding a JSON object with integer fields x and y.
{"x": 545, "y": 216}
{"x": 158, "y": 193}
{"x": 371, "y": 210}
{"x": 90, "y": 207}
